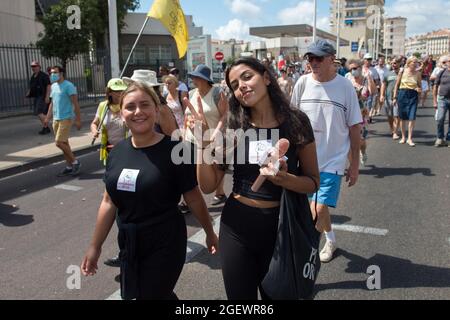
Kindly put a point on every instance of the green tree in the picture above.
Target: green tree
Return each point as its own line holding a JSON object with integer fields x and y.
{"x": 230, "y": 61}
{"x": 64, "y": 43}
{"x": 58, "y": 40}
{"x": 98, "y": 21}
{"x": 417, "y": 55}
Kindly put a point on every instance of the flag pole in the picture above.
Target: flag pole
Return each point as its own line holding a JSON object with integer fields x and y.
{"x": 134, "y": 46}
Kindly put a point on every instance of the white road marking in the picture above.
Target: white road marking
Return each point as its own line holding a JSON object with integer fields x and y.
{"x": 360, "y": 229}
{"x": 68, "y": 187}
{"x": 195, "y": 244}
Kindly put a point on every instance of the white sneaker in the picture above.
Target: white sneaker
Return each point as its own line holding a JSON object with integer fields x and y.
{"x": 363, "y": 158}
{"x": 326, "y": 255}
{"x": 440, "y": 143}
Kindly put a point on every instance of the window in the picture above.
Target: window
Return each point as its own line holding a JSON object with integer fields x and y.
{"x": 392, "y": 37}
{"x": 138, "y": 56}
{"x": 165, "y": 52}
{"x": 160, "y": 52}
{"x": 391, "y": 43}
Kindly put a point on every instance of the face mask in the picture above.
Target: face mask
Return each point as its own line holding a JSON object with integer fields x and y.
{"x": 356, "y": 73}
{"x": 54, "y": 77}
{"x": 114, "y": 108}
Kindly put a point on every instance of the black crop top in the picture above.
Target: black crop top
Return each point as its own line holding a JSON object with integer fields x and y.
{"x": 245, "y": 174}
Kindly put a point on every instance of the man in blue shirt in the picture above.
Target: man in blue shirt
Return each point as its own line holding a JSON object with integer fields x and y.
{"x": 63, "y": 108}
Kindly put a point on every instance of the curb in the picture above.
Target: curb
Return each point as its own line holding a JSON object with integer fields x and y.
{"x": 44, "y": 162}
{"x": 16, "y": 114}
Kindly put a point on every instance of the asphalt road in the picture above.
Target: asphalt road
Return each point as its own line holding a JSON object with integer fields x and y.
{"x": 46, "y": 224}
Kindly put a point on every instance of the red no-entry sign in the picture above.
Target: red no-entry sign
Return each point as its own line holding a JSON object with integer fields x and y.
{"x": 219, "y": 56}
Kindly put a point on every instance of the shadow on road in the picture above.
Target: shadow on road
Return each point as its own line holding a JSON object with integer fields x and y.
{"x": 9, "y": 219}
{"x": 425, "y": 116}
{"x": 207, "y": 259}
{"x": 91, "y": 176}
{"x": 395, "y": 273}
{"x": 418, "y": 134}
{"x": 44, "y": 178}
{"x": 389, "y": 172}
{"x": 340, "y": 219}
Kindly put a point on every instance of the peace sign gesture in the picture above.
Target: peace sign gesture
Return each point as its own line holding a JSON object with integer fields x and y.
{"x": 196, "y": 121}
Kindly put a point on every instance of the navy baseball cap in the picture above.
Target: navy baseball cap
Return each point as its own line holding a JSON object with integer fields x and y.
{"x": 320, "y": 48}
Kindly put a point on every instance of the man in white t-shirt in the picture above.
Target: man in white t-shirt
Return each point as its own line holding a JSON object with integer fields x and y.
{"x": 382, "y": 70}
{"x": 372, "y": 101}
{"x": 331, "y": 103}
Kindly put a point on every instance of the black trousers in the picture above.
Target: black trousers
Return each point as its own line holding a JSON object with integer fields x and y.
{"x": 246, "y": 242}
{"x": 159, "y": 256}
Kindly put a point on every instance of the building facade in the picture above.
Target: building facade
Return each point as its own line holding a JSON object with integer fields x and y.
{"x": 394, "y": 36}
{"x": 435, "y": 43}
{"x": 18, "y": 22}
{"x": 359, "y": 24}
{"x": 438, "y": 42}
{"x": 156, "y": 46}
{"x": 416, "y": 44}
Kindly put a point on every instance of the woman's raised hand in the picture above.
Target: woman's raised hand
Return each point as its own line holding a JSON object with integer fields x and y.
{"x": 196, "y": 121}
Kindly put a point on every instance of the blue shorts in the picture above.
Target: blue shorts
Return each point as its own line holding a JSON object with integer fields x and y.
{"x": 330, "y": 187}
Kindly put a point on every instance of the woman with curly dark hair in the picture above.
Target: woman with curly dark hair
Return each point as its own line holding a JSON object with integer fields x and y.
{"x": 249, "y": 219}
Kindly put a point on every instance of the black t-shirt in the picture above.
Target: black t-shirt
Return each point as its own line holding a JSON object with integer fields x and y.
{"x": 443, "y": 82}
{"x": 38, "y": 84}
{"x": 244, "y": 175}
{"x": 145, "y": 183}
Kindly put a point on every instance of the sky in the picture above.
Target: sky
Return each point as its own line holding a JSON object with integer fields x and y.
{"x": 225, "y": 19}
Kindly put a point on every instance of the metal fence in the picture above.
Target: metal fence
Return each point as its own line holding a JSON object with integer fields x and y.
{"x": 88, "y": 72}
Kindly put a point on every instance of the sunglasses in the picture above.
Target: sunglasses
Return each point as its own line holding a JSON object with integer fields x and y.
{"x": 34, "y": 66}
{"x": 312, "y": 58}
{"x": 354, "y": 69}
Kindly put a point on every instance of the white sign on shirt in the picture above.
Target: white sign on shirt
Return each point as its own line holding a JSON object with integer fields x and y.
{"x": 258, "y": 150}
{"x": 127, "y": 180}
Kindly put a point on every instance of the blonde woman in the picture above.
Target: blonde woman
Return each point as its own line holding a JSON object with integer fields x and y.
{"x": 143, "y": 185}
{"x": 174, "y": 99}
{"x": 406, "y": 94}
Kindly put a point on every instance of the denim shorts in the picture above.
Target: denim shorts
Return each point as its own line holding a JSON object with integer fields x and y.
{"x": 330, "y": 187}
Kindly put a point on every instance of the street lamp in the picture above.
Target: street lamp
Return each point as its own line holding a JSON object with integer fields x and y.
{"x": 315, "y": 21}
{"x": 338, "y": 39}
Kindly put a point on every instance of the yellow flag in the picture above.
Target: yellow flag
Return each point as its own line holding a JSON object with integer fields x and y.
{"x": 171, "y": 15}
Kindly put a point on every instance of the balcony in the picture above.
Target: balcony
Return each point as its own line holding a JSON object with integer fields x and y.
{"x": 355, "y": 5}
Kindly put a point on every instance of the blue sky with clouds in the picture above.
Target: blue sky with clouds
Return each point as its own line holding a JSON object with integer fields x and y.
{"x": 225, "y": 19}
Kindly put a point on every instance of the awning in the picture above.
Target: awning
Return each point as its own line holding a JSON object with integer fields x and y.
{"x": 294, "y": 31}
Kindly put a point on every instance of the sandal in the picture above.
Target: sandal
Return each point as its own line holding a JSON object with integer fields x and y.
{"x": 219, "y": 199}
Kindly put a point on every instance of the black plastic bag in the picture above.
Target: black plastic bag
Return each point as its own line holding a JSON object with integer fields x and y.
{"x": 295, "y": 262}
